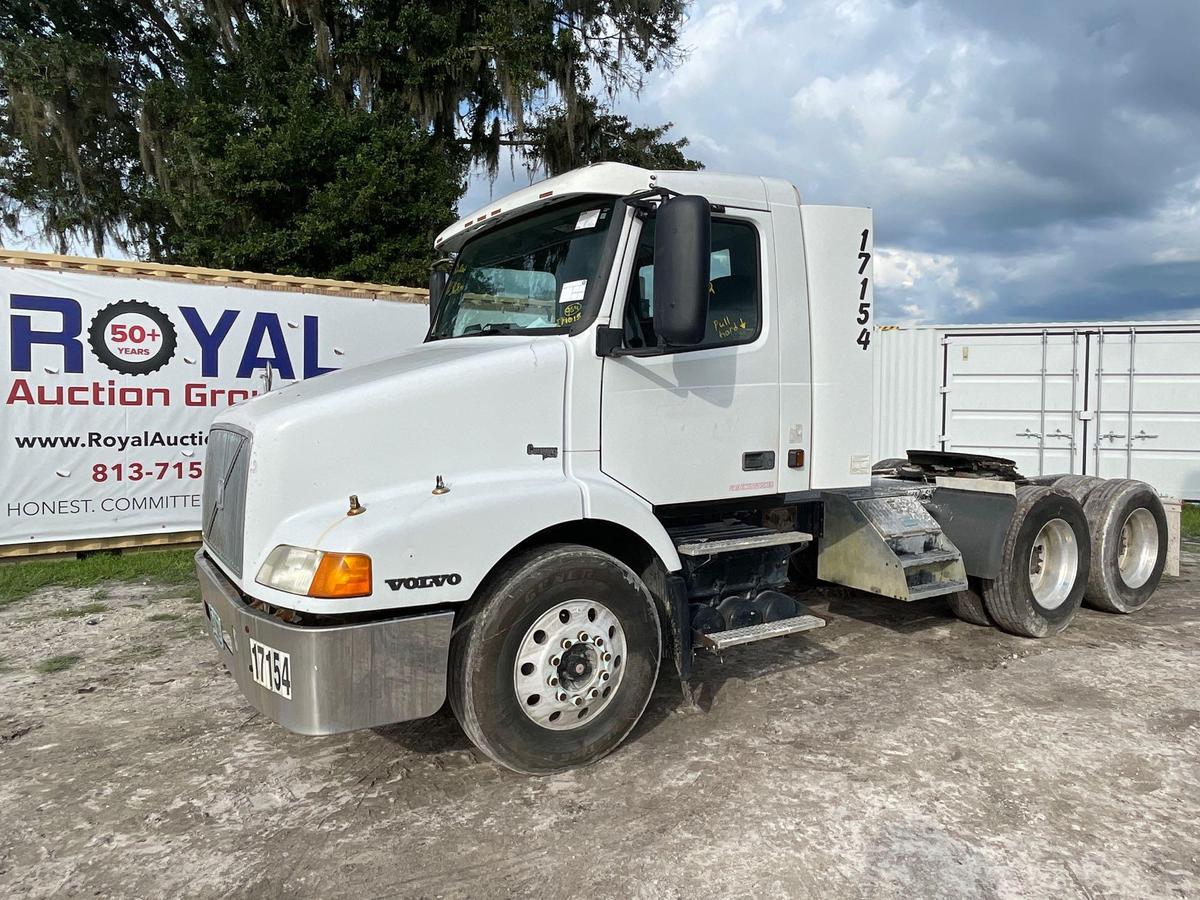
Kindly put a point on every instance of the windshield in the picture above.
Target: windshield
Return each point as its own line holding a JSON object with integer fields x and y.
{"x": 530, "y": 275}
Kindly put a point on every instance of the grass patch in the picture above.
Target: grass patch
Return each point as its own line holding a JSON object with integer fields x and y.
{"x": 1190, "y": 525}
{"x": 164, "y": 617}
{"x": 75, "y": 612}
{"x": 138, "y": 654}
{"x": 20, "y": 579}
{"x": 58, "y": 663}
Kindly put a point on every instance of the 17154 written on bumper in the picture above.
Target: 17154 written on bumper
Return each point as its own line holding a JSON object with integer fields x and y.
{"x": 324, "y": 680}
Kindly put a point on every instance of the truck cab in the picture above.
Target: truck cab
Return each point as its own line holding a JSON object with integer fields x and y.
{"x": 640, "y": 420}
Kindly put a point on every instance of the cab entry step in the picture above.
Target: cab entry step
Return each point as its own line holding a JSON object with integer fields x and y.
{"x": 722, "y": 640}
{"x": 707, "y": 541}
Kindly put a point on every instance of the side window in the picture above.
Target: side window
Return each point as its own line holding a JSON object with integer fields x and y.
{"x": 734, "y": 289}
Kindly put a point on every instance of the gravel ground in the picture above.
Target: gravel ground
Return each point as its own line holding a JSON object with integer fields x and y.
{"x": 897, "y": 752}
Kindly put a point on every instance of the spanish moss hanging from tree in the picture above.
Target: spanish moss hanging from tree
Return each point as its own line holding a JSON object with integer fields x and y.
{"x": 315, "y": 137}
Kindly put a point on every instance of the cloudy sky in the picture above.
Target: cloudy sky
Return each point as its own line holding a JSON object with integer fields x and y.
{"x": 1027, "y": 161}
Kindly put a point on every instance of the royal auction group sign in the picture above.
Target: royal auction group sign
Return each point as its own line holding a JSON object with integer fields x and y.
{"x": 110, "y": 384}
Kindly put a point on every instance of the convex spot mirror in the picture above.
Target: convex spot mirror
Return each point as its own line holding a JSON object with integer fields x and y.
{"x": 682, "y": 248}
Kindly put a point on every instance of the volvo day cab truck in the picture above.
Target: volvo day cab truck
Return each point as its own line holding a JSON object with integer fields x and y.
{"x": 638, "y": 428}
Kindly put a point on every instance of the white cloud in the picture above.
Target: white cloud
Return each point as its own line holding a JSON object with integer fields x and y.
{"x": 1021, "y": 161}
{"x": 932, "y": 279}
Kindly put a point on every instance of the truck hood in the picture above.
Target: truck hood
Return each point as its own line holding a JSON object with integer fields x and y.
{"x": 464, "y": 409}
{"x": 301, "y": 399}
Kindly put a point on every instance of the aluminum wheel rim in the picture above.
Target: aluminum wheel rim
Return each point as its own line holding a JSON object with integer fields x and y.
{"x": 1053, "y": 564}
{"x": 569, "y": 664}
{"x": 1138, "y": 551}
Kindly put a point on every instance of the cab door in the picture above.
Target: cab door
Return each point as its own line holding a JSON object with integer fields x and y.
{"x": 681, "y": 425}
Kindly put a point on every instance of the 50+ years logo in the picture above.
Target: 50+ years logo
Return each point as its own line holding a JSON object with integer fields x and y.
{"x": 132, "y": 337}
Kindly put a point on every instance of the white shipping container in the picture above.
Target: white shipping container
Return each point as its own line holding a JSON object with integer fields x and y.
{"x": 1117, "y": 399}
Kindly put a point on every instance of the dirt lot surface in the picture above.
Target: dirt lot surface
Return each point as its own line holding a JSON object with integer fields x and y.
{"x": 897, "y": 752}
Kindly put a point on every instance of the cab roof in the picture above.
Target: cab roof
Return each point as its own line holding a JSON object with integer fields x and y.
{"x": 619, "y": 180}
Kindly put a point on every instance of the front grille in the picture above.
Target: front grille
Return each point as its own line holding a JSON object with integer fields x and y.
{"x": 227, "y": 460}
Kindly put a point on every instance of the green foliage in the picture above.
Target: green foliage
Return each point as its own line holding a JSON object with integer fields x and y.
{"x": 138, "y": 653}
{"x": 564, "y": 139}
{"x": 68, "y": 95}
{"x": 58, "y": 663}
{"x": 1190, "y": 523}
{"x": 318, "y": 137}
{"x": 362, "y": 203}
{"x": 76, "y": 612}
{"x": 20, "y": 579}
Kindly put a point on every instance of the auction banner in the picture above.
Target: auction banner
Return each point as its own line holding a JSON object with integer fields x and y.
{"x": 110, "y": 384}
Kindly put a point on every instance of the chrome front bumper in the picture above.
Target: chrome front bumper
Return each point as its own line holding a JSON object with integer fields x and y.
{"x": 344, "y": 677}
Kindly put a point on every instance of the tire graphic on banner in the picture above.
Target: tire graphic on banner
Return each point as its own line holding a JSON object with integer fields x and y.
{"x": 132, "y": 337}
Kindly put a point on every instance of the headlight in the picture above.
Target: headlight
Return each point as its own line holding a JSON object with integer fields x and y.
{"x": 315, "y": 573}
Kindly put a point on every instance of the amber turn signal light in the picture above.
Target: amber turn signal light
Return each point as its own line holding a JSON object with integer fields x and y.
{"x": 342, "y": 575}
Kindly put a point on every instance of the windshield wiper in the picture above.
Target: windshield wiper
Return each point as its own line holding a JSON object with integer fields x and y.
{"x": 492, "y": 328}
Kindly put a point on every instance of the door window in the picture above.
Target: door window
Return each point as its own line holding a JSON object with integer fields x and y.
{"x": 734, "y": 288}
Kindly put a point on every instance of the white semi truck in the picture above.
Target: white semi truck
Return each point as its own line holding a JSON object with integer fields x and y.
{"x": 639, "y": 426}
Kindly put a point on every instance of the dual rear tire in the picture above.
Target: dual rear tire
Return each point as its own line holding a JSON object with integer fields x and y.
{"x": 1047, "y": 554}
{"x": 1082, "y": 538}
{"x": 1128, "y": 528}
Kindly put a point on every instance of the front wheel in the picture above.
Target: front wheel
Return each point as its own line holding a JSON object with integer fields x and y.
{"x": 555, "y": 660}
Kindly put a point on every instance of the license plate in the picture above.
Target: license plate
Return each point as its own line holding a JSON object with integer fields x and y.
{"x": 271, "y": 668}
{"x": 214, "y": 628}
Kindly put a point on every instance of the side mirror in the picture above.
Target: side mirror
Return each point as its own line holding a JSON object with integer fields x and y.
{"x": 682, "y": 250}
{"x": 437, "y": 286}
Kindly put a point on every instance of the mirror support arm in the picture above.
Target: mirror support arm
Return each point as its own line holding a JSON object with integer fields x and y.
{"x": 609, "y": 341}
{"x": 438, "y": 275}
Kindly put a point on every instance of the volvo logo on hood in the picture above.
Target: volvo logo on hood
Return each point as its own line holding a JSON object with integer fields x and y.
{"x": 423, "y": 581}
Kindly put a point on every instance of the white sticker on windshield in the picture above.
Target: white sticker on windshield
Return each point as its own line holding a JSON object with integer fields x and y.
{"x": 587, "y": 219}
{"x": 573, "y": 291}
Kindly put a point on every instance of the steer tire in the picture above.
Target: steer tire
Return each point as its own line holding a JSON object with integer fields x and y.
{"x": 968, "y": 604}
{"x": 1010, "y": 598}
{"x": 1078, "y": 486}
{"x": 487, "y": 686}
{"x": 1110, "y": 508}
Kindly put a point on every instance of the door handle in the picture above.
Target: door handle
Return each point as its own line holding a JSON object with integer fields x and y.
{"x": 1142, "y": 436}
{"x": 1028, "y": 433}
{"x": 758, "y": 460}
{"x": 1112, "y": 436}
